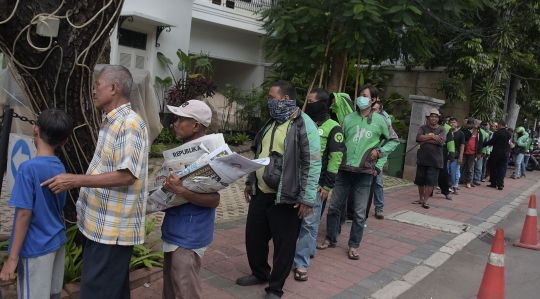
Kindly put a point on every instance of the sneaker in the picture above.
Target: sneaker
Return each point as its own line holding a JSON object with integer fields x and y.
{"x": 477, "y": 183}
{"x": 447, "y": 196}
{"x": 523, "y": 176}
{"x": 483, "y": 180}
{"x": 379, "y": 214}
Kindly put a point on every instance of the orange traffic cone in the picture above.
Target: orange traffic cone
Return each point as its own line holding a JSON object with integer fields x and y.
{"x": 492, "y": 286}
{"x": 529, "y": 235}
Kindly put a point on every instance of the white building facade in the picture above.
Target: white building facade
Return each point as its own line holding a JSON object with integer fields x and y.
{"x": 229, "y": 31}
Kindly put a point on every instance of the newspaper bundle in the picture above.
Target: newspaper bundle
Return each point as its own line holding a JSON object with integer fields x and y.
{"x": 204, "y": 165}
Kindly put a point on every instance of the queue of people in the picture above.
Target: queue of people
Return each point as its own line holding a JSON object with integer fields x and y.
{"x": 310, "y": 155}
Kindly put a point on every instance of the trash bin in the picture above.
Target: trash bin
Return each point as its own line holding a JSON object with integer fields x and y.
{"x": 396, "y": 160}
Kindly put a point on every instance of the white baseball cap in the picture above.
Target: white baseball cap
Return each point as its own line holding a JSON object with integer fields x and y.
{"x": 195, "y": 109}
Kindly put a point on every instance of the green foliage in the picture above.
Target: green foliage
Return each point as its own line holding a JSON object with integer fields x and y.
{"x": 400, "y": 109}
{"x": 244, "y": 107}
{"x": 486, "y": 100}
{"x": 453, "y": 88}
{"x": 167, "y": 136}
{"x": 142, "y": 254}
{"x": 73, "y": 262}
{"x": 242, "y": 137}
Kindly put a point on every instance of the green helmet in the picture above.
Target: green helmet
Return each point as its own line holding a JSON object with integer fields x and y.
{"x": 520, "y": 130}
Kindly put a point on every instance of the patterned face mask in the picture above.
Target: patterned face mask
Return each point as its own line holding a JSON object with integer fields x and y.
{"x": 282, "y": 110}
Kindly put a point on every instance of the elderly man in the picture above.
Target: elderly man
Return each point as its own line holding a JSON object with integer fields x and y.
{"x": 432, "y": 138}
{"x": 111, "y": 205}
{"x": 283, "y": 192}
{"x": 187, "y": 229}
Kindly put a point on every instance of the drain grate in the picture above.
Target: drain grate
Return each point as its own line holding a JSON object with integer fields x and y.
{"x": 489, "y": 236}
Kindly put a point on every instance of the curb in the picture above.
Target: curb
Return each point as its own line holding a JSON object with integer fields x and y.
{"x": 398, "y": 287}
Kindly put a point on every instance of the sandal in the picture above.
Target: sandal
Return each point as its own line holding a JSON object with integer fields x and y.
{"x": 299, "y": 275}
{"x": 416, "y": 202}
{"x": 353, "y": 254}
{"x": 425, "y": 206}
{"x": 325, "y": 245}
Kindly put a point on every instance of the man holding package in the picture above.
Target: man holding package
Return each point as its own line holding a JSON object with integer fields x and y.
{"x": 187, "y": 229}
{"x": 282, "y": 193}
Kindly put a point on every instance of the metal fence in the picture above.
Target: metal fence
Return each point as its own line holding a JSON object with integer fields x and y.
{"x": 249, "y": 5}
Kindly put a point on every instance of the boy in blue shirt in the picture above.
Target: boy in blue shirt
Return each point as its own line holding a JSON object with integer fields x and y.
{"x": 37, "y": 241}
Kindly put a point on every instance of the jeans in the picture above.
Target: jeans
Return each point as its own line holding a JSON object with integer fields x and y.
{"x": 307, "y": 237}
{"x": 360, "y": 184}
{"x": 478, "y": 164}
{"x": 517, "y": 164}
{"x": 455, "y": 174}
{"x": 378, "y": 193}
{"x": 525, "y": 162}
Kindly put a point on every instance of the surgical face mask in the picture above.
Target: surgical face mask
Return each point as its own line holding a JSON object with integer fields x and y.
{"x": 362, "y": 103}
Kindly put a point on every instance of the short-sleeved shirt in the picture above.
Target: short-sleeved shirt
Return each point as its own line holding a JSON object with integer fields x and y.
{"x": 431, "y": 154}
{"x": 459, "y": 139}
{"x": 470, "y": 148}
{"x": 278, "y": 146}
{"x": 46, "y": 232}
{"x": 116, "y": 215}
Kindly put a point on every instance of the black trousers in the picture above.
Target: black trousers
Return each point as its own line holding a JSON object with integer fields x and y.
{"x": 443, "y": 178}
{"x": 105, "y": 271}
{"x": 497, "y": 168}
{"x": 266, "y": 221}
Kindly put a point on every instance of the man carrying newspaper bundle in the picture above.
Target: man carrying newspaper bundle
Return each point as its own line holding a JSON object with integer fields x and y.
{"x": 187, "y": 229}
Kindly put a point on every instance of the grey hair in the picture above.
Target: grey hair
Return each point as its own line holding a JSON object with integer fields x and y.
{"x": 120, "y": 76}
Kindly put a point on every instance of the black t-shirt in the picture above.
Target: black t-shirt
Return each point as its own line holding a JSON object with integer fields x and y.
{"x": 431, "y": 154}
{"x": 459, "y": 139}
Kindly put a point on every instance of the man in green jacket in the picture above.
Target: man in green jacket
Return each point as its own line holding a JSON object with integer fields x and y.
{"x": 364, "y": 160}
{"x": 282, "y": 192}
{"x": 332, "y": 149}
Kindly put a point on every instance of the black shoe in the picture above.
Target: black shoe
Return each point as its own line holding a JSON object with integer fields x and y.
{"x": 379, "y": 214}
{"x": 477, "y": 183}
{"x": 272, "y": 296}
{"x": 249, "y": 280}
{"x": 500, "y": 188}
{"x": 492, "y": 186}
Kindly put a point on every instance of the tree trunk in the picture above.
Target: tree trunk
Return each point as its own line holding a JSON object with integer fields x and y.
{"x": 336, "y": 69}
{"x": 513, "y": 107}
{"x": 61, "y": 74}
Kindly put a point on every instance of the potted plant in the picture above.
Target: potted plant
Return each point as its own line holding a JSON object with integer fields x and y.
{"x": 241, "y": 138}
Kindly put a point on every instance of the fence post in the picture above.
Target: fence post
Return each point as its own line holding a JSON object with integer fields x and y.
{"x": 4, "y": 142}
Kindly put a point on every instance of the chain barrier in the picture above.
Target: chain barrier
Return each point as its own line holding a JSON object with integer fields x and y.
{"x": 24, "y": 118}
{"x": 400, "y": 155}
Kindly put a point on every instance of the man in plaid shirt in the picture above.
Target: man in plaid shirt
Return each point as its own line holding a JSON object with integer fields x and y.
{"x": 111, "y": 205}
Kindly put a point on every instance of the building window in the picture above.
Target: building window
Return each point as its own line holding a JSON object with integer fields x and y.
{"x": 132, "y": 39}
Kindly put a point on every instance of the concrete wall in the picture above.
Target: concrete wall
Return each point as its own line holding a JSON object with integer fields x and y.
{"x": 421, "y": 82}
{"x": 242, "y": 75}
{"x": 226, "y": 43}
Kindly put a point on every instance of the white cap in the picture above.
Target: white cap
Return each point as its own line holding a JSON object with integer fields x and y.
{"x": 195, "y": 109}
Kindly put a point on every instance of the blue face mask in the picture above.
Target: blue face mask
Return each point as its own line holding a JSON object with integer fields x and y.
{"x": 362, "y": 103}
{"x": 282, "y": 110}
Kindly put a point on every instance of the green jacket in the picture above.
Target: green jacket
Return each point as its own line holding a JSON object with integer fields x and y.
{"x": 332, "y": 149}
{"x": 450, "y": 144}
{"x": 301, "y": 164}
{"x": 485, "y": 138}
{"x": 362, "y": 135}
{"x": 342, "y": 107}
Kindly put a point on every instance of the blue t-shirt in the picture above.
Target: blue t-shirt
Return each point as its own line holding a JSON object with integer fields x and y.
{"x": 46, "y": 232}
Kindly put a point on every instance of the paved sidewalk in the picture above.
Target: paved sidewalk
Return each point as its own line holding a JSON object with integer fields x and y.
{"x": 393, "y": 255}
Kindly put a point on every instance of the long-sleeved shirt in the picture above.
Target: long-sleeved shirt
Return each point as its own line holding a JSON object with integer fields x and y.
{"x": 500, "y": 142}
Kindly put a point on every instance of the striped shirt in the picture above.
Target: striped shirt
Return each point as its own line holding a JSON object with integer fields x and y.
{"x": 116, "y": 215}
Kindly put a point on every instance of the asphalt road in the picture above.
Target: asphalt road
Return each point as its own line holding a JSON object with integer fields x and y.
{"x": 461, "y": 275}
